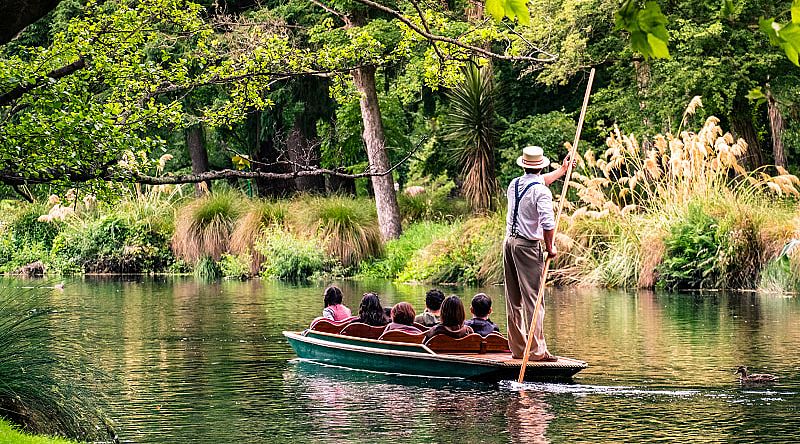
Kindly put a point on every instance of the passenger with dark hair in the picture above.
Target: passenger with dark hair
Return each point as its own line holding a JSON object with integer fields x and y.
{"x": 334, "y": 309}
{"x": 452, "y": 323}
{"x": 370, "y": 311}
{"x": 481, "y": 309}
{"x": 433, "y": 306}
{"x": 403, "y": 319}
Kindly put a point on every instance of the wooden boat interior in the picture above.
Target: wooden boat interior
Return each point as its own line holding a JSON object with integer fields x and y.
{"x": 361, "y": 330}
{"x": 328, "y": 326}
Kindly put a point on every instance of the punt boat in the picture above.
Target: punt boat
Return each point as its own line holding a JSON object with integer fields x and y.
{"x": 473, "y": 357}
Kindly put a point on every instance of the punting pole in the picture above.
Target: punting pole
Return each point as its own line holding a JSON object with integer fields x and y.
{"x": 572, "y": 153}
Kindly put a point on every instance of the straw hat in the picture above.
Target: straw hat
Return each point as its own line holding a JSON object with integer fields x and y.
{"x": 533, "y": 157}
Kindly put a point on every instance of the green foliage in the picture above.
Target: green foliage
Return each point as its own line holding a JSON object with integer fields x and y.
{"x": 110, "y": 244}
{"x": 398, "y": 252}
{"x": 290, "y": 258}
{"x": 433, "y": 204}
{"x": 509, "y": 8}
{"x": 690, "y": 256}
{"x": 549, "y": 131}
{"x": 786, "y": 36}
{"x": 10, "y": 434}
{"x": 649, "y": 34}
{"x": 782, "y": 274}
{"x": 46, "y": 385}
{"x": 207, "y": 269}
{"x": 235, "y": 267}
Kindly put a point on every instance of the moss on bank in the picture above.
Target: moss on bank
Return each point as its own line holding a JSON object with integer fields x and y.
{"x": 9, "y": 434}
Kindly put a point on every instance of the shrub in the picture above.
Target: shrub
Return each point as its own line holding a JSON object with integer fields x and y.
{"x": 397, "y": 252}
{"x": 290, "y": 258}
{"x": 782, "y": 274}
{"x": 433, "y": 204}
{"x": 470, "y": 253}
{"x": 236, "y": 267}
{"x": 348, "y": 227}
{"x": 110, "y": 244}
{"x": 43, "y": 381}
{"x": 207, "y": 269}
{"x": 690, "y": 252}
{"x": 204, "y": 226}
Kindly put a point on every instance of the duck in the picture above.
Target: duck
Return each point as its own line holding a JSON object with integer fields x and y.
{"x": 755, "y": 378}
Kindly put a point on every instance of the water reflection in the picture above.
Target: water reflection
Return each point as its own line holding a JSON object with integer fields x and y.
{"x": 207, "y": 363}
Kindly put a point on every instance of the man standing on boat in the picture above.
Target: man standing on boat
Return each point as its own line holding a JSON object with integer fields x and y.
{"x": 530, "y": 226}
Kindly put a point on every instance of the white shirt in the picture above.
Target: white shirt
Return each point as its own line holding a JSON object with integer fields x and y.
{"x": 535, "y": 208}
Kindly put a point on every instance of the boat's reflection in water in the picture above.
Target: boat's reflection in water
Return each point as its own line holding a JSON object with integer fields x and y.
{"x": 344, "y": 404}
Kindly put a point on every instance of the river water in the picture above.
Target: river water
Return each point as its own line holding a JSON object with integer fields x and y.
{"x": 206, "y": 363}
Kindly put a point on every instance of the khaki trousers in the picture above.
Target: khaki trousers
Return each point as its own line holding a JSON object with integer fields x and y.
{"x": 523, "y": 261}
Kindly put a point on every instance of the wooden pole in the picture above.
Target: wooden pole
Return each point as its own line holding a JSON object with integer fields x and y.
{"x": 546, "y": 267}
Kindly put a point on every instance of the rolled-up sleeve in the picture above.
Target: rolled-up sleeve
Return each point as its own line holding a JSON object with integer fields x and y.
{"x": 544, "y": 206}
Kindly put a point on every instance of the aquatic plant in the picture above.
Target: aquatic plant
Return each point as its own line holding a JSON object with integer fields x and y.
{"x": 45, "y": 384}
{"x": 207, "y": 269}
{"x": 204, "y": 226}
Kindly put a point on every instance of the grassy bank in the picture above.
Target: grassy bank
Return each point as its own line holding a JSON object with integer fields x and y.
{"x": 9, "y": 434}
{"x": 675, "y": 212}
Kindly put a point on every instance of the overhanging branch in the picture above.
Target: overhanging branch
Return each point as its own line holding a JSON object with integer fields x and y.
{"x": 19, "y": 90}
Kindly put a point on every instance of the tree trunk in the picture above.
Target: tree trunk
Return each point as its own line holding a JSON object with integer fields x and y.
{"x": 266, "y": 149}
{"x": 742, "y": 127}
{"x": 302, "y": 144}
{"x": 776, "y": 126}
{"x": 383, "y": 186}
{"x": 199, "y": 156}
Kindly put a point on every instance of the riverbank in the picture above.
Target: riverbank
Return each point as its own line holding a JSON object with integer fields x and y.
{"x": 10, "y": 434}
{"x": 672, "y": 213}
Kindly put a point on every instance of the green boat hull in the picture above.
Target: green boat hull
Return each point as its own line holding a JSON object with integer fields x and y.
{"x": 414, "y": 359}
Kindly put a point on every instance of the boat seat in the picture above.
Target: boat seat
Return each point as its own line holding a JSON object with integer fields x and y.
{"x": 402, "y": 336}
{"x": 361, "y": 330}
{"x": 494, "y": 343}
{"x": 325, "y": 325}
{"x": 421, "y": 327}
{"x": 445, "y": 344}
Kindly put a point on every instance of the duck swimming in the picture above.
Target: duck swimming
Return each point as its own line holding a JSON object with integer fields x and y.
{"x": 755, "y": 378}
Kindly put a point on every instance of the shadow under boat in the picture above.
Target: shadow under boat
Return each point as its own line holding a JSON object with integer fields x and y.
{"x": 420, "y": 360}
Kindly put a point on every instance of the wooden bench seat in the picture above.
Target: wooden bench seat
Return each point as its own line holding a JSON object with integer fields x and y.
{"x": 472, "y": 343}
{"x": 402, "y": 336}
{"x": 361, "y": 330}
{"x": 325, "y": 325}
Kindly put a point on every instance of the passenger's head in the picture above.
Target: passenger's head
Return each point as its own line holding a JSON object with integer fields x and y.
{"x": 403, "y": 313}
{"x": 370, "y": 310}
{"x": 433, "y": 299}
{"x": 333, "y": 296}
{"x": 452, "y": 312}
{"x": 481, "y": 305}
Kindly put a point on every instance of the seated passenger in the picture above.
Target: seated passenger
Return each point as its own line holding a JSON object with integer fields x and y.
{"x": 481, "y": 309}
{"x": 370, "y": 311}
{"x": 433, "y": 305}
{"x": 452, "y": 323}
{"x": 403, "y": 319}
{"x": 334, "y": 309}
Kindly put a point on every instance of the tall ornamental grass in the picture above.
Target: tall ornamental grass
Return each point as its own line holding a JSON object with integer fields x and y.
{"x": 348, "y": 228}
{"x": 44, "y": 386}
{"x": 258, "y": 216}
{"x": 204, "y": 226}
{"x": 675, "y": 211}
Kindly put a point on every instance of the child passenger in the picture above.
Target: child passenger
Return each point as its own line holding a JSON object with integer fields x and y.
{"x": 433, "y": 305}
{"x": 370, "y": 311}
{"x": 452, "y": 320}
{"x": 481, "y": 309}
{"x": 403, "y": 319}
{"x": 334, "y": 309}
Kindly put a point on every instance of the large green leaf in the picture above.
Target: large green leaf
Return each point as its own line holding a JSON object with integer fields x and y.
{"x": 509, "y": 8}
{"x": 649, "y": 35}
{"x": 796, "y": 11}
{"x": 496, "y": 9}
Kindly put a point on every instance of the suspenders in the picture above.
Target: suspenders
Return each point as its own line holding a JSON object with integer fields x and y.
{"x": 517, "y": 198}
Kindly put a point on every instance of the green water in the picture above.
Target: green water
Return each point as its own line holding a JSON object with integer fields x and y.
{"x": 206, "y": 363}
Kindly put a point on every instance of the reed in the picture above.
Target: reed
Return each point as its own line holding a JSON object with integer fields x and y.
{"x": 258, "y": 216}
